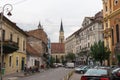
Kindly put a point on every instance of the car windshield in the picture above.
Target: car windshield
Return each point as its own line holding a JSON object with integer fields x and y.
{"x": 98, "y": 72}
{"x": 116, "y": 70}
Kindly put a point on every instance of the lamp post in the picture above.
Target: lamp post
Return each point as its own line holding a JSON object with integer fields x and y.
{"x": 6, "y": 8}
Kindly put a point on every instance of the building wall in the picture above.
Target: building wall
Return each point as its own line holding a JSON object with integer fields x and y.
{"x": 70, "y": 44}
{"x": 16, "y": 62}
{"x": 31, "y": 61}
{"x": 59, "y": 55}
{"x": 20, "y": 53}
{"x": 112, "y": 18}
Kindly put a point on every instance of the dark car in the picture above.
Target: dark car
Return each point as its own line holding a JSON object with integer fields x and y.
{"x": 115, "y": 75}
{"x": 96, "y": 74}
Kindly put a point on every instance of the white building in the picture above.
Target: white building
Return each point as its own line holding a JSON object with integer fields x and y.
{"x": 82, "y": 39}
{"x": 89, "y": 33}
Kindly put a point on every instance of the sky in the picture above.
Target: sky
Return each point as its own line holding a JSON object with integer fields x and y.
{"x": 28, "y": 13}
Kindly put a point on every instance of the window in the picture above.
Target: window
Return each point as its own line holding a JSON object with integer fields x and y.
{"x": 23, "y": 45}
{"x": 18, "y": 40}
{"x": 115, "y": 2}
{"x": 112, "y": 37}
{"x": 10, "y": 61}
{"x": 17, "y": 61}
{"x": 106, "y": 25}
{"x": 93, "y": 27}
{"x": 3, "y": 35}
{"x": 106, "y": 8}
{"x": 88, "y": 44}
{"x": 88, "y": 37}
{"x": 117, "y": 32}
{"x": 11, "y": 37}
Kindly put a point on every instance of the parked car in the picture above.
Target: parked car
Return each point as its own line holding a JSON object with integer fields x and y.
{"x": 115, "y": 75}
{"x": 82, "y": 69}
{"x": 96, "y": 74}
{"x": 70, "y": 65}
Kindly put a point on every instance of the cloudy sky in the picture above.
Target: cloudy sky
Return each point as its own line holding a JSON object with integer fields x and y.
{"x": 28, "y": 13}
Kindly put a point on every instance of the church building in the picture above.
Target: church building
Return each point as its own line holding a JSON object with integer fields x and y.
{"x": 58, "y": 49}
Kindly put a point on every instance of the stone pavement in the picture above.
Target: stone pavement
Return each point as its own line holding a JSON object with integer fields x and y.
{"x": 13, "y": 75}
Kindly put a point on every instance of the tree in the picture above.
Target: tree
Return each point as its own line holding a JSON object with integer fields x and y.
{"x": 52, "y": 60}
{"x": 99, "y": 52}
{"x": 63, "y": 60}
{"x": 70, "y": 57}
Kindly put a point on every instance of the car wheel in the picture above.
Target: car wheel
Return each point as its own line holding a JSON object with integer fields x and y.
{"x": 82, "y": 72}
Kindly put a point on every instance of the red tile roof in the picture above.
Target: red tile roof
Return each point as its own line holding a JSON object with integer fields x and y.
{"x": 57, "y": 48}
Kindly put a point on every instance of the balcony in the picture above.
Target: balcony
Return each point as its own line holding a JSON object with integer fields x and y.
{"x": 9, "y": 46}
{"x": 107, "y": 32}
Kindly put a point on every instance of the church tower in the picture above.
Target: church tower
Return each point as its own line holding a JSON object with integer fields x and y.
{"x": 40, "y": 26}
{"x": 61, "y": 34}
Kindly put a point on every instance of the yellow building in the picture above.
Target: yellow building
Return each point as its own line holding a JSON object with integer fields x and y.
{"x": 111, "y": 13}
{"x": 14, "y": 47}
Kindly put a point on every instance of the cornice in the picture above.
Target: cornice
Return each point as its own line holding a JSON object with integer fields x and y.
{"x": 116, "y": 12}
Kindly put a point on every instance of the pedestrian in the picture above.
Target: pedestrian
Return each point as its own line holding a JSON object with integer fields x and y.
{"x": 25, "y": 69}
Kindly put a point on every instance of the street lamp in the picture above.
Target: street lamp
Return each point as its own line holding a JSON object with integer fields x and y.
{"x": 8, "y": 8}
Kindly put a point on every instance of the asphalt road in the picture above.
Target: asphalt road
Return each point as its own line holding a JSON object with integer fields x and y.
{"x": 76, "y": 76}
{"x": 51, "y": 74}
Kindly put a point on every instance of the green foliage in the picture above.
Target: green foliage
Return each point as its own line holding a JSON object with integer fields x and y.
{"x": 52, "y": 60}
{"x": 99, "y": 52}
{"x": 118, "y": 57}
{"x": 63, "y": 60}
{"x": 70, "y": 57}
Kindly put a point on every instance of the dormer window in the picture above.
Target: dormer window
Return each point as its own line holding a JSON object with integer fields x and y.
{"x": 115, "y": 2}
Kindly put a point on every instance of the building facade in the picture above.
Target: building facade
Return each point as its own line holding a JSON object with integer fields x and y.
{"x": 81, "y": 40}
{"x": 14, "y": 47}
{"x": 111, "y": 14}
{"x": 58, "y": 48}
{"x": 70, "y": 44}
{"x": 37, "y": 40}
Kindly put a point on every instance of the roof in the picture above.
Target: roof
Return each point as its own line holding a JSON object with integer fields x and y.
{"x": 38, "y": 33}
{"x": 61, "y": 27}
{"x": 31, "y": 50}
{"x": 57, "y": 48}
{"x": 13, "y": 25}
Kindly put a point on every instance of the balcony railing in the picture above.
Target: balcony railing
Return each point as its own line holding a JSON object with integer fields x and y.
{"x": 9, "y": 46}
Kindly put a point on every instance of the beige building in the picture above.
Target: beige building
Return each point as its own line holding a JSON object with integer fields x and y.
{"x": 70, "y": 44}
{"x": 14, "y": 47}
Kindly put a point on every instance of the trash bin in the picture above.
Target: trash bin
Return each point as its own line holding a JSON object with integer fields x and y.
{"x": 3, "y": 71}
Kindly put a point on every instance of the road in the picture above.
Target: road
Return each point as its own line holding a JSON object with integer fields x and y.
{"x": 51, "y": 74}
{"x": 76, "y": 76}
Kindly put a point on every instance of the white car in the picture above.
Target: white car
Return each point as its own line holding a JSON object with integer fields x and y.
{"x": 70, "y": 65}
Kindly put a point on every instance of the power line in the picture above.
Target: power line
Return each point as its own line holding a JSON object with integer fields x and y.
{"x": 19, "y": 2}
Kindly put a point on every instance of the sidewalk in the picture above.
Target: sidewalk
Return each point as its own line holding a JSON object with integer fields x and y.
{"x": 13, "y": 75}
{"x": 20, "y": 74}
